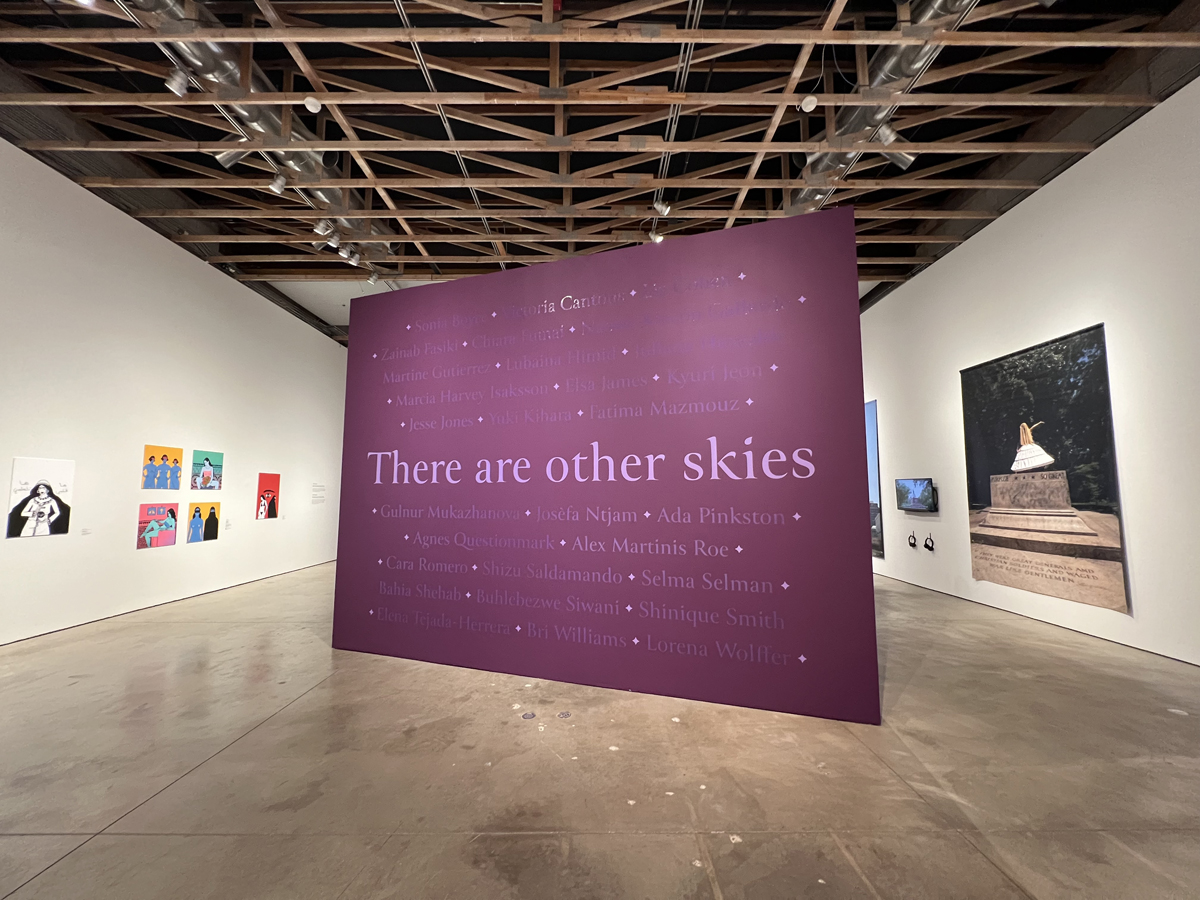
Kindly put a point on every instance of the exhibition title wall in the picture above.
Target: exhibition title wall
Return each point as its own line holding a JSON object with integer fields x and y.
{"x": 643, "y": 470}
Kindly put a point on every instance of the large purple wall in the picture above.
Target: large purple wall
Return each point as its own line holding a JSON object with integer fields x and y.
{"x": 739, "y": 575}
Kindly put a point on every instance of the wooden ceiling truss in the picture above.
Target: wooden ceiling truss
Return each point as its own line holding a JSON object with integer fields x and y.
{"x": 487, "y": 136}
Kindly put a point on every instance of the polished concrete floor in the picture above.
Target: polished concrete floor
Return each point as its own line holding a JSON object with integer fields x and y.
{"x": 218, "y": 748}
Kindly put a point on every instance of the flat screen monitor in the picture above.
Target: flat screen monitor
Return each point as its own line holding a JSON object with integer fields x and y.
{"x": 916, "y": 494}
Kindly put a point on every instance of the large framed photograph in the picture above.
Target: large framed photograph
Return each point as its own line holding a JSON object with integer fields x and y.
{"x": 1045, "y": 514}
{"x": 873, "y": 494}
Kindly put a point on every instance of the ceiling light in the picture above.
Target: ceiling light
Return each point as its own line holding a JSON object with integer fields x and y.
{"x": 662, "y": 207}
{"x": 887, "y": 133}
{"x": 373, "y": 277}
{"x": 312, "y": 104}
{"x": 334, "y": 240}
{"x": 344, "y": 252}
{"x": 355, "y": 258}
{"x": 177, "y": 82}
{"x": 656, "y": 237}
{"x": 323, "y": 227}
{"x": 278, "y": 183}
{"x": 809, "y": 103}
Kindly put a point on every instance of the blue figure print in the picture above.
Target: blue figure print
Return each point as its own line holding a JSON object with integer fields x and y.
{"x": 162, "y": 477}
{"x": 176, "y": 472}
{"x": 195, "y": 527}
{"x": 149, "y": 474}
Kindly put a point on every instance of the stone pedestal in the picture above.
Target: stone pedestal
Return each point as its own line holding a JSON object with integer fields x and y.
{"x": 1035, "y": 502}
{"x": 1032, "y": 538}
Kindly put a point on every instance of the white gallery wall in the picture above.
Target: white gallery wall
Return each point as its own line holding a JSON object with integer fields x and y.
{"x": 1113, "y": 240}
{"x": 111, "y": 337}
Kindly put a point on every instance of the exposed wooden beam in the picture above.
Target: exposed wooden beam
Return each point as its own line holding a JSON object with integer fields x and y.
{"x": 549, "y": 96}
{"x": 620, "y": 11}
{"x": 435, "y": 277}
{"x": 556, "y": 145}
{"x": 339, "y": 115}
{"x": 628, "y": 180}
{"x": 831, "y": 21}
{"x": 222, "y": 259}
{"x": 561, "y": 32}
{"x": 523, "y": 239}
{"x": 471, "y": 212}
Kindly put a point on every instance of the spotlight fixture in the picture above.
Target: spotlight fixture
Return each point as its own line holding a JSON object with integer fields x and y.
{"x": 323, "y": 227}
{"x": 662, "y": 207}
{"x": 808, "y": 104}
{"x": 344, "y": 252}
{"x": 656, "y": 237}
{"x": 177, "y": 82}
{"x": 278, "y": 183}
{"x": 334, "y": 240}
{"x": 888, "y": 135}
{"x": 312, "y": 104}
{"x": 355, "y": 258}
{"x": 373, "y": 277}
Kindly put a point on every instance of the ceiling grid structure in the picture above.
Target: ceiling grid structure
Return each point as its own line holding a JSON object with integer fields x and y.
{"x": 441, "y": 139}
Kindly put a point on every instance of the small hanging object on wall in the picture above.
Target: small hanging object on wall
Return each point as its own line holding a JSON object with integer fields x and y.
{"x": 1029, "y": 454}
{"x": 929, "y": 543}
{"x": 912, "y": 540}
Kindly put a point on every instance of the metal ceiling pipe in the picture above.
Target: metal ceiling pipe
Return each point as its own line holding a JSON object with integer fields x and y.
{"x": 220, "y": 65}
{"x": 895, "y": 68}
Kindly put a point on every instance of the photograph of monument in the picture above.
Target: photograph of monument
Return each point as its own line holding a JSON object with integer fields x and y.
{"x": 1042, "y": 474}
{"x": 873, "y": 480}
